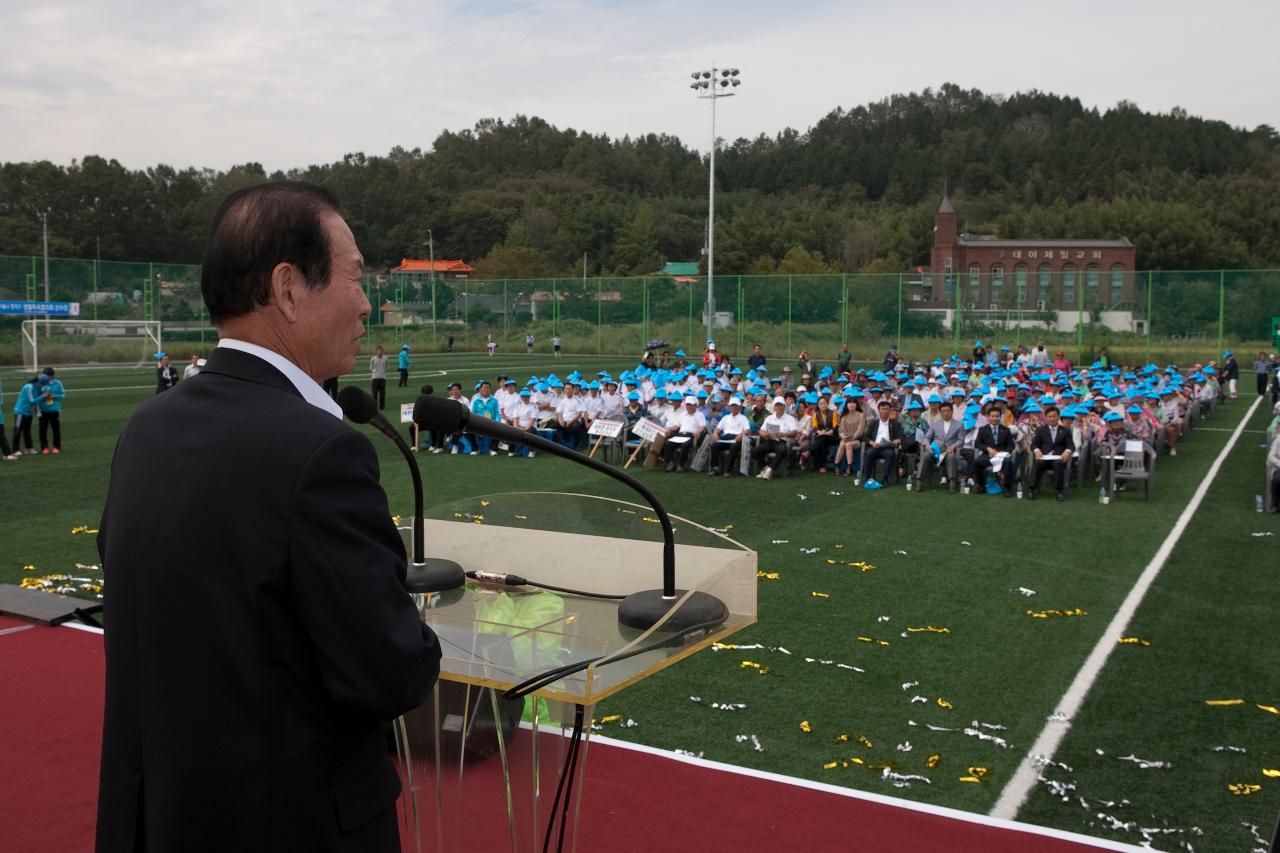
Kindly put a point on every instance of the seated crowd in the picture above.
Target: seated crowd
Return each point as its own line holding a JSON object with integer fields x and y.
{"x": 979, "y": 427}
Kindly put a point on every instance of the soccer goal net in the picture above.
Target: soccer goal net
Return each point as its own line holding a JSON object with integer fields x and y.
{"x": 132, "y": 342}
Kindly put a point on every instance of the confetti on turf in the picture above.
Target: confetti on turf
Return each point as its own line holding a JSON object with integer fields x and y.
{"x": 865, "y": 741}
{"x": 1270, "y": 773}
{"x": 819, "y": 595}
{"x": 1134, "y": 641}
{"x": 905, "y": 746}
{"x": 522, "y": 517}
{"x": 839, "y": 547}
{"x": 1263, "y": 533}
{"x": 833, "y": 663}
{"x": 1243, "y": 789}
{"x": 983, "y": 736}
{"x": 842, "y": 738}
{"x": 933, "y": 760}
{"x": 927, "y": 629}
{"x": 1239, "y": 749}
{"x": 965, "y": 542}
{"x": 29, "y": 567}
{"x": 759, "y": 668}
{"x": 611, "y": 718}
{"x": 1219, "y": 703}
{"x": 944, "y": 704}
{"x": 915, "y": 699}
{"x": 901, "y": 553}
{"x": 650, "y": 520}
{"x": 907, "y": 685}
{"x": 1046, "y": 614}
{"x": 1045, "y": 761}
{"x": 805, "y": 727}
{"x": 903, "y": 780}
{"x": 88, "y": 568}
{"x": 83, "y": 529}
{"x": 781, "y": 541}
{"x": 976, "y": 775}
{"x": 1145, "y": 764}
{"x": 769, "y": 576}
{"x": 803, "y": 497}
{"x": 1058, "y": 717}
{"x": 810, "y": 550}
{"x": 1270, "y": 709}
{"x": 1262, "y": 844}
{"x": 1022, "y": 590}
{"x": 865, "y": 639}
{"x": 882, "y": 618}
{"x": 755, "y": 741}
{"x": 835, "y": 494}
{"x": 688, "y": 753}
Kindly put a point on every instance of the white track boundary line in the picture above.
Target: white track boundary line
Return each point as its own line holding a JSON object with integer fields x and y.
{"x": 1024, "y": 778}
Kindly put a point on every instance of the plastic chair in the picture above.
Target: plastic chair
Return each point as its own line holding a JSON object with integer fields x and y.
{"x": 1133, "y": 464}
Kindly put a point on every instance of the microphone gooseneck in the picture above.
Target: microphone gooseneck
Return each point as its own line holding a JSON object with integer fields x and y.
{"x": 425, "y": 575}
{"x": 640, "y": 610}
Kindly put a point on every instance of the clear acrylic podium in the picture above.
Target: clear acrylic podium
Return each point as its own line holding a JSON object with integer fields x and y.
{"x": 482, "y": 773}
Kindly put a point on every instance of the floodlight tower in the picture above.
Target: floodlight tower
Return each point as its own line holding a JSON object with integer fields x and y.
{"x": 712, "y": 85}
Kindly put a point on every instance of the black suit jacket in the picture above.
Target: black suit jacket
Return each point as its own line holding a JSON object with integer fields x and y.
{"x": 986, "y": 439}
{"x": 873, "y": 427}
{"x": 1042, "y": 442}
{"x": 257, "y": 630}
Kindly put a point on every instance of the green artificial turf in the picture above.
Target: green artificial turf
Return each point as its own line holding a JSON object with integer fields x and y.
{"x": 964, "y": 562}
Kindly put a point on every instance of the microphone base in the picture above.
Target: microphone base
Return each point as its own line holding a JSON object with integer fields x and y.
{"x": 643, "y": 610}
{"x": 434, "y": 575}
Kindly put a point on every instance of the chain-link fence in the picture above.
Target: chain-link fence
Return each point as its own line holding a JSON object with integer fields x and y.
{"x": 1139, "y": 316}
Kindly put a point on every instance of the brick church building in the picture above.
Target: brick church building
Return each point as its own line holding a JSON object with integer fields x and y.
{"x": 990, "y": 275}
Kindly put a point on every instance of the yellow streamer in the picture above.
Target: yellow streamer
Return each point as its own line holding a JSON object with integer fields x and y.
{"x": 1271, "y": 774}
{"x": 1134, "y": 641}
{"x": 929, "y": 629}
{"x": 769, "y": 576}
{"x": 944, "y": 704}
{"x": 1045, "y": 614}
{"x": 932, "y": 761}
{"x": 831, "y": 765}
{"x": 805, "y": 727}
{"x": 1223, "y": 702}
{"x": 842, "y": 738}
{"x": 1243, "y": 789}
{"x": 612, "y": 718}
{"x": 1270, "y": 709}
{"x": 865, "y": 741}
{"x": 819, "y": 595}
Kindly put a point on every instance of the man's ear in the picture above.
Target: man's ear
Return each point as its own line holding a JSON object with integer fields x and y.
{"x": 286, "y": 280}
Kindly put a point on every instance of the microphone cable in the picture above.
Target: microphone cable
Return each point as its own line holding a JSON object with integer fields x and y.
{"x": 500, "y": 579}
{"x": 565, "y": 786}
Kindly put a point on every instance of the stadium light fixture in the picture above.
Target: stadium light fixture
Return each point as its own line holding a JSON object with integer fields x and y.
{"x": 707, "y": 80}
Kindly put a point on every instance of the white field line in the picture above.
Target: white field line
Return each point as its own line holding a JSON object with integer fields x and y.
{"x": 1024, "y": 778}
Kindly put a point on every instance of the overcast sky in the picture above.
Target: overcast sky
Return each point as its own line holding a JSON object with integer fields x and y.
{"x": 288, "y": 83}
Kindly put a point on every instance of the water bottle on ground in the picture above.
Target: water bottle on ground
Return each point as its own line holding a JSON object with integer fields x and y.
{"x": 1257, "y": 503}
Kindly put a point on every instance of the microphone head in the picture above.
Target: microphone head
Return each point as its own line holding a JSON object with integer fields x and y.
{"x": 438, "y": 413}
{"x": 357, "y": 404}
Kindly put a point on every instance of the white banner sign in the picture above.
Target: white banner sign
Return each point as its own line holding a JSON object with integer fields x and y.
{"x": 406, "y": 413}
{"x": 606, "y": 428}
{"x": 648, "y": 430}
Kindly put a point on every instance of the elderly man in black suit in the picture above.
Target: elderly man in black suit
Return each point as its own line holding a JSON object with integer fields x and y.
{"x": 258, "y": 638}
{"x": 1052, "y": 447}
{"x": 993, "y": 439}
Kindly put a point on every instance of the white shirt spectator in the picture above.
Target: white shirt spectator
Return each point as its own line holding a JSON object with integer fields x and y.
{"x": 690, "y": 422}
{"x": 775, "y": 423}
{"x": 733, "y": 425}
{"x": 568, "y": 409}
{"x": 523, "y": 415}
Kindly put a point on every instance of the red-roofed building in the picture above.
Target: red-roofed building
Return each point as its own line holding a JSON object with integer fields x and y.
{"x": 444, "y": 270}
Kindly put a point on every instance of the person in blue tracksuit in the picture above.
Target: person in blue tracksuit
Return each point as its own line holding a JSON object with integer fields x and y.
{"x": 24, "y": 412}
{"x": 51, "y": 394}
{"x": 6, "y": 452}
{"x": 486, "y": 405}
{"x": 404, "y": 365}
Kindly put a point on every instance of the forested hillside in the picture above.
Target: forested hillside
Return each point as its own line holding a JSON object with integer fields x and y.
{"x": 856, "y": 192}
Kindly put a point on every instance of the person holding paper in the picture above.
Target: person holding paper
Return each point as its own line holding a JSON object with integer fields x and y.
{"x": 686, "y": 430}
{"x": 1052, "y": 447}
{"x": 728, "y": 436}
{"x": 993, "y": 450}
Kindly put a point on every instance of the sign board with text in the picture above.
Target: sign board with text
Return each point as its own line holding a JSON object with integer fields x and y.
{"x": 648, "y": 430}
{"x": 40, "y": 309}
{"x": 605, "y": 428}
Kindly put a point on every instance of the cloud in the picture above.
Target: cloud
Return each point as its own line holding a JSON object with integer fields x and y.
{"x": 290, "y": 83}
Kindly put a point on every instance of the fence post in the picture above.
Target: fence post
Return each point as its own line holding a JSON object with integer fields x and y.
{"x": 844, "y": 308}
{"x": 1222, "y": 304}
{"x": 789, "y": 282}
{"x": 689, "y": 334}
{"x": 1148, "y": 316}
{"x": 644, "y": 311}
{"x": 739, "y": 318}
{"x": 599, "y": 320}
{"x": 1080, "y": 285}
{"x": 899, "y": 312}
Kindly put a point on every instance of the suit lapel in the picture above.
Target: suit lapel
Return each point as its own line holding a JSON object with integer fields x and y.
{"x": 250, "y": 368}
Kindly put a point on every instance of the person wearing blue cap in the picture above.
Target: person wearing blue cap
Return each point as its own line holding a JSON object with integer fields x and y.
{"x": 1139, "y": 425}
{"x": 166, "y": 374}
{"x": 50, "y": 403}
{"x": 403, "y": 365}
{"x": 1230, "y": 372}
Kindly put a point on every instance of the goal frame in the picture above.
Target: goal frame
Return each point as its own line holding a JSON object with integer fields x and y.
{"x": 151, "y": 331}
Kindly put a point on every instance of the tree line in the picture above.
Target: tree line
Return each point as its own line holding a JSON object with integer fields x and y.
{"x": 855, "y": 193}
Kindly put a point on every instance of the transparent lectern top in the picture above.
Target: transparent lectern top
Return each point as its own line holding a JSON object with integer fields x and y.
{"x": 501, "y": 636}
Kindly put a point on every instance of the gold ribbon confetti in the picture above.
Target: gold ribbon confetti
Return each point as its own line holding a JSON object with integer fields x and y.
{"x": 649, "y": 520}
{"x": 395, "y": 519}
{"x": 831, "y": 562}
{"x": 819, "y": 595}
{"x": 863, "y": 639}
{"x": 760, "y": 668}
{"x": 83, "y": 528}
{"x": 1271, "y": 774}
{"x": 840, "y": 546}
{"x": 865, "y": 741}
{"x": 929, "y": 629}
{"x": 932, "y": 761}
{"x": 769, "y": 576}
{"x": 1270, "y": 709}
{"x": 484, "y": 503}
{"x": 976, "y": 775}
{"x": 612, "y": 718}
{"x": 1243, "y": 789}
{"x": 1223, "y": 702}
{"x": 1134, "y": 641}
{"x": 842, "y": 738}
{"x": 863, "y": 567}
{"x": 1045, "y": 614}
{"x": 805, "y": 727}
{"x": 944, "y": 704}
{"x": 831, "y": 765}
{"x": 522, "y": 517}
{"x": 627, "y": 511}
{"x": 29, "y": 567}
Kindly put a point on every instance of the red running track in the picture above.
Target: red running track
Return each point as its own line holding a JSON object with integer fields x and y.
{"x": 51, "y": 689}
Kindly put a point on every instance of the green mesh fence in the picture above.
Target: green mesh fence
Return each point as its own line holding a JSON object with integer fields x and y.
{"x": 1155, "y": 315}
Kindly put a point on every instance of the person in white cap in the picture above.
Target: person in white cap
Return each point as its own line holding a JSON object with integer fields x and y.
{"x": 688, "y": 425}
{"x": 775, "y": 434}
{"x": 728, "y": 436}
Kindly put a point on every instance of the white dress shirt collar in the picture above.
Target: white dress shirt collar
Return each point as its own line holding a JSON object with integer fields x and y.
{"x": 307, "y": 387}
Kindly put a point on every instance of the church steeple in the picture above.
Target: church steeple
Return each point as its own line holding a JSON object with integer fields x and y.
{"x": 944, "y": 224}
